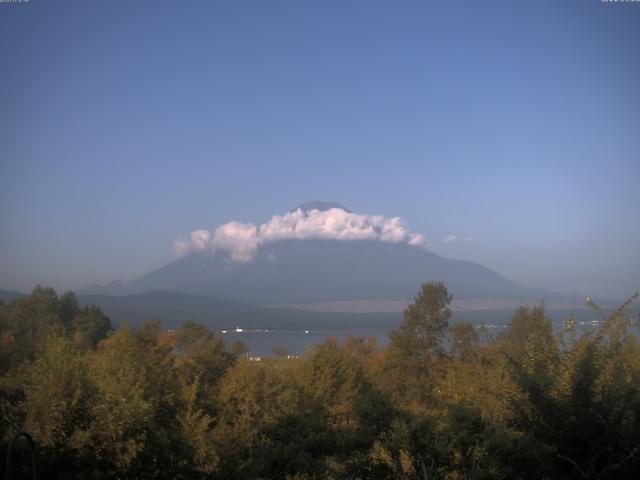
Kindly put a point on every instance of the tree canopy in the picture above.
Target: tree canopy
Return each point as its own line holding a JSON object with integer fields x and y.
{"x": 440, "y": 401}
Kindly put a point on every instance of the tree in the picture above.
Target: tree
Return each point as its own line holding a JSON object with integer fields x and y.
{"x": 414, "y": 359}
{"x": 58, "y": 399}
{"x": 253, "y": 399}
{"x": 464, "y": 340}
{"x": 345, "y": 405}
{"x": 89, "y": 326}
{"x": 67, "y": 309}
{"x": 425, "y": 322}
{"x": 202, "y": 356}
{"x": 134, "y": 431}
{"x": 238, "y": 348}
{"x": 528, "y": 325}
{"x": 196, "y": 428}
{"x": 331, "y": 378}
{"x": 592, "y": 428}
{"x": 26, "y": 322}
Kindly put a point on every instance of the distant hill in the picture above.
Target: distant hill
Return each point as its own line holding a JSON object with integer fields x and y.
{"x": 313, "y": 271}
{"x": 8, "y": 295}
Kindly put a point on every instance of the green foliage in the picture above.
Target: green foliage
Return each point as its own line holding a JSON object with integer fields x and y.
{"x": 334, "y": 381}
{"x": 464, "y": 339}
{"x": 25, "y": 323}
{"x": 89, "y": 325}
{"x": 414, "y": 358}
{"x": 438, "y": 402}
{"x": 255, "y": 399}
{"x": 58, "y": 398}
{"x": 195, "y": 429}
{"x": 202, "y": 357}
{"x": 133, "y": 429}
{"x": 425, "y": 322}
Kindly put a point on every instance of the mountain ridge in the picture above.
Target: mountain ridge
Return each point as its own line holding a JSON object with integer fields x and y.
{"x": 321, "y": 206}
{"x": 316, "y": 271}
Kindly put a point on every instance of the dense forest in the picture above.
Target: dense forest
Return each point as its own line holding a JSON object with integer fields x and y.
{"x": 440, "y": 401}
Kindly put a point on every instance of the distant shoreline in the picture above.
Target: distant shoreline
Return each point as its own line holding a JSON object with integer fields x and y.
{"x": 398, "y": 306}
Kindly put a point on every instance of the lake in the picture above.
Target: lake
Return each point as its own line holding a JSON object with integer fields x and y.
{"x": 261, "y": 343}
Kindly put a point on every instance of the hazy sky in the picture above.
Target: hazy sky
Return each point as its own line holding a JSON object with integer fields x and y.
{"x": 125, "y": 125}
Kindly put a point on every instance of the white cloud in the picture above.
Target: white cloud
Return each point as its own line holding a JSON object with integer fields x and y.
{"x": 418, "y": 240}
{"x": 449, "y": 238}
{"x": 241, "y": 240}
{"x": 198, "y": 240}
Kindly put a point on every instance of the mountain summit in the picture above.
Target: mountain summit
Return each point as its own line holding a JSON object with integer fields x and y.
{"x": 319, "y": 252}
{"x": 321, "y": 206}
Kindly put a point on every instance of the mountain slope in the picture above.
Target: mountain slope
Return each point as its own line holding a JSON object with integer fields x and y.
{"x": 311, "y": 271}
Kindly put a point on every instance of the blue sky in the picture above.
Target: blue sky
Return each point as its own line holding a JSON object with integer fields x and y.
{"x": 124, "y": 125}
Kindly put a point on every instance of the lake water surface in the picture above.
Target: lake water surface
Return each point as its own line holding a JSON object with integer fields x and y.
{"x": 261, "y": 344}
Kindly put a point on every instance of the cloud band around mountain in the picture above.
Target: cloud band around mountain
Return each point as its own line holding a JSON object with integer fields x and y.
{"x": 242, "y": 240}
